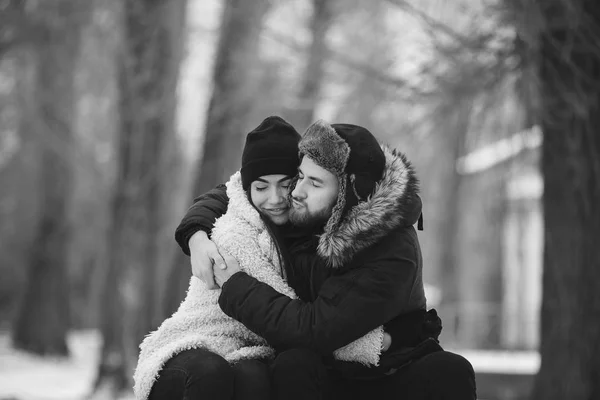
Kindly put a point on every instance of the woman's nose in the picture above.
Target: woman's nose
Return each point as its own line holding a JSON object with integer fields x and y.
{"x": 277, "y": 195}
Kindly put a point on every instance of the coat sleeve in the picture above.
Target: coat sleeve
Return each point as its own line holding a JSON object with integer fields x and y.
{"x": 346, "y": 308}
{"x": 202, "y": 215}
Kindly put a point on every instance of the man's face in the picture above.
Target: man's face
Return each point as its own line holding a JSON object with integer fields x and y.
{"x": 315, "y": 195}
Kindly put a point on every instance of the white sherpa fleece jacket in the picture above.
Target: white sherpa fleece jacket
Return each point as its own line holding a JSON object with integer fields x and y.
{"x": 200, "y": 323}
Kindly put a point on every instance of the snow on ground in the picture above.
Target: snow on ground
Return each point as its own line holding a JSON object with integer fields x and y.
{"x": 27, "y": 377}
{"x": 502, "y": 361}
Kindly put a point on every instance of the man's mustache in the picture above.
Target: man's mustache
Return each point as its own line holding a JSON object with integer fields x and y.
{"x": 297, "y": 200}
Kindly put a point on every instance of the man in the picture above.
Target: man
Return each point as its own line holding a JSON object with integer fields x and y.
{"x": 356, "y": 265}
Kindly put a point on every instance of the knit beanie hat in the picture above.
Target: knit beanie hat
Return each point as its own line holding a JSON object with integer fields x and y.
{"x": 271, "y": 148}
{"x": 351, "y": 153}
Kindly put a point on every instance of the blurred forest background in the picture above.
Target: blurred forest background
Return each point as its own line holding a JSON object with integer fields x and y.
{"x": 115, "y": 114}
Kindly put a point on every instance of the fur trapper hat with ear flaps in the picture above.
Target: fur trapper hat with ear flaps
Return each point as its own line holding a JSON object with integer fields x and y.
{"x": 351, "y": 153}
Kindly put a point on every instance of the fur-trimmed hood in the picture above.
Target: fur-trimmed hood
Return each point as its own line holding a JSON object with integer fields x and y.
{"x": 394, "y": 203}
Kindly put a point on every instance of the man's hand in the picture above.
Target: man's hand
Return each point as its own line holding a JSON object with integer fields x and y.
{"x": 203, "y": 254}
{"x": 387, "y": 342}
{"x": 222, "y": 275}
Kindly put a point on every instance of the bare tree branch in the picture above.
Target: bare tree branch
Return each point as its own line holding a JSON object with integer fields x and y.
{"x": 348, "y": 62}
{"x": 437, "y": 25}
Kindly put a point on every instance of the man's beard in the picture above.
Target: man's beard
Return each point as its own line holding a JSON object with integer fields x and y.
{"x": 304, "y": 219}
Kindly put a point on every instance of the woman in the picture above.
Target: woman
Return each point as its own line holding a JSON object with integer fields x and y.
{"x": 199, "y": 351}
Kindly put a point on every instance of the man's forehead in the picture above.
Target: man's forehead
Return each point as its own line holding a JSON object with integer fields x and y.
{"x": 309, "y": 167}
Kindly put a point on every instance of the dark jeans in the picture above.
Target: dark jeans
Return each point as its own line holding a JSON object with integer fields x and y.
{"x": 300, "y": 374}
{"x": 201, "y": 374}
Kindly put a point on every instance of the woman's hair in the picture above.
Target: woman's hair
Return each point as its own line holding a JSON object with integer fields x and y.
{"x": 275, "y": 232}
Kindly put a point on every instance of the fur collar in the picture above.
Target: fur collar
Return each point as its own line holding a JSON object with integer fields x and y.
{"x": 391, "y": 205}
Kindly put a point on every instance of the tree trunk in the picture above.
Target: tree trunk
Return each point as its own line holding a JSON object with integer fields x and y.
{"x": 372, "y": 41}
{"x": 569, "y": 76}
{"x": 17, "y": 28}
{"x": 97, "y": 122}
{"x": 456, "y": 120}
{"x": 308, "y": 98}
{"x": 148, "y": 68}
{"x": 43, "y": 319}
{"x": 235, "y": 72}
{"x": 235, "y": 77}
{"x": 174, "y": 168}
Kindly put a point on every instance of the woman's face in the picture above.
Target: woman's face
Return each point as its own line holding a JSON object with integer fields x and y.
{"x": 269, "y": 194}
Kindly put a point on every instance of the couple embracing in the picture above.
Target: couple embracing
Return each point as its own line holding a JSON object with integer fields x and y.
{"x": 310, "y": 280}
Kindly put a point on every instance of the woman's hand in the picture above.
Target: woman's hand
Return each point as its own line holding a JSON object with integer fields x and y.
{"x": 223, "y": 272}
{"x": 204, "y": 255}
{"x": 387, "y": 342}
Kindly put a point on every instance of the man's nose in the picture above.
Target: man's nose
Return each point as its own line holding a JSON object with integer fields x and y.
{"x": 298, "y": 191}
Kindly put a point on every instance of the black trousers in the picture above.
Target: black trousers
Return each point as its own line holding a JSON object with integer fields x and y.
{"x": 300, "y": 374}
{"x": 201, "y": 374}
